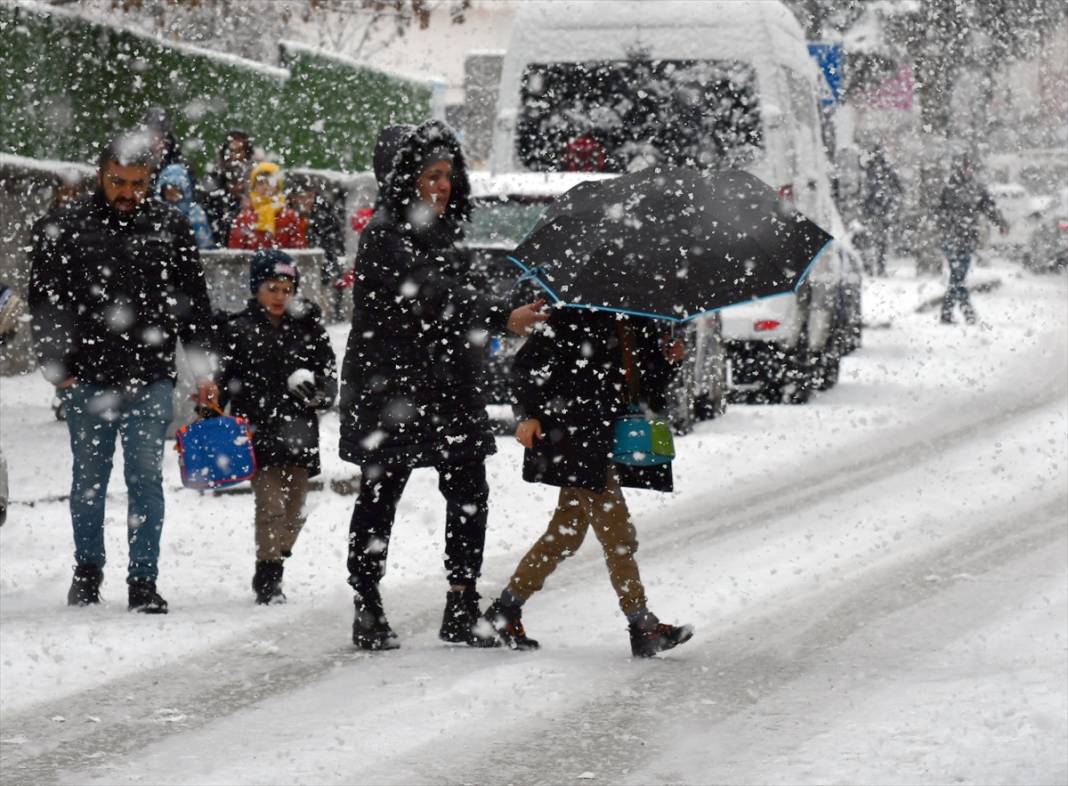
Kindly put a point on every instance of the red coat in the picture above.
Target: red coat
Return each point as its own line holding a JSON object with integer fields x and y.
{"x": 289, "y": 231}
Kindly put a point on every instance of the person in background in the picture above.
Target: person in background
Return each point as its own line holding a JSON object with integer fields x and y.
{"x": 227, "y": 183}
{"x": 322, "y": 227}
{"x": 413, "y": 379}
{"x": 963, "y": 201}
{"x": 267, "y": 222}
{"x": 882, "y": 201}
{"x": 165, "y": 145}
{"x": 278, "y": 370}
{"x": 173, "y": 187}
{"x": 573, "y": 380}
{"x": 112, "y": 288}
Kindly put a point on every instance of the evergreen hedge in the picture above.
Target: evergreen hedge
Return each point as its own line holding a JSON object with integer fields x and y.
{"x": 67, "y": 84}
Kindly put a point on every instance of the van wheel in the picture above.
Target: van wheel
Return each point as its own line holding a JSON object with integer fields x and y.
{"x": 682, "y": 405}
{"x": 830, "y": 362}
{"x": 800, "y": 372}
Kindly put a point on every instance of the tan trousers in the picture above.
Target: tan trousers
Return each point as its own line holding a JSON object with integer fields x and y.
{"x": 280, "y": 493}
{"x": 576, "y": 510}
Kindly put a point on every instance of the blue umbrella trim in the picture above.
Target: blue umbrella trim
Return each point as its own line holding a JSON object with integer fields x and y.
{"x": 532, "y": 274}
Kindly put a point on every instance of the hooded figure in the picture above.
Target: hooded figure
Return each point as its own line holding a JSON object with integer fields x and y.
{"x": 228, "y": 182}
{"x": 267, "y": 222}
{"x": 174, "y": 187}
{"x": 413, "y": 378}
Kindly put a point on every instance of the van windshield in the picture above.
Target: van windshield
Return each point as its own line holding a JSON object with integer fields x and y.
{"x": 622, "y": 115}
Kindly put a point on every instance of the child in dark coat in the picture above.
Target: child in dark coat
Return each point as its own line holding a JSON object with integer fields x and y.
{"x": 278, "y": 371}
{"x": 573, "y": 380}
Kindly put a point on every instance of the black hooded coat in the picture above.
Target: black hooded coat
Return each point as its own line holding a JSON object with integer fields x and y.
{"x": 413, "y": 388}
{"x": 570, "y": 376}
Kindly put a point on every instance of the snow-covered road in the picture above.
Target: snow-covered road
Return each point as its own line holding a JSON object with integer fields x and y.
{"x": 879, "y": 582}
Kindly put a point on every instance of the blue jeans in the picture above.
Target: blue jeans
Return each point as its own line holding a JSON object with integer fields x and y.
{"x": 95, "y": 416}
{"x": 960, "y": 259}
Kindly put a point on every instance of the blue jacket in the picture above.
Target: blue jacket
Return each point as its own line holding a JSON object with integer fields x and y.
{"x": 177, "y": 176}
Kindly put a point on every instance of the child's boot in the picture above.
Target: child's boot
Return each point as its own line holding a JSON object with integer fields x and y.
{"x": 507, "y": 623}
{"x": 648, "y": 635}
{"x": 370, "y": 629}
{"x": 460, "y": 625}
{"x": 267, "y": 582}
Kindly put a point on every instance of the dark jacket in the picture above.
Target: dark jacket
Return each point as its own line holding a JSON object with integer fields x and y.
{"x": 110, "y": 294}
{"x": 883, "y": 192}
{"x": 570, "y": 376}
{"x": 413, "y": 378}
{"x": 256, "y": 359}
{"x": 323, "y": 230}
{"x": 964, "y": 200}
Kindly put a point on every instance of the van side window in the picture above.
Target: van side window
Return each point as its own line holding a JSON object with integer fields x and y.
{"x": 802, "y": 98}
{"x": 614, "y": 116}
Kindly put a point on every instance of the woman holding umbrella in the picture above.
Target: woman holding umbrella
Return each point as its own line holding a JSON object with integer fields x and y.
{"x": 412, "y": 390}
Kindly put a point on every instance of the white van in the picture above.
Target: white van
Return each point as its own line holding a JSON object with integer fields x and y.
{"x": 591, "y": 86}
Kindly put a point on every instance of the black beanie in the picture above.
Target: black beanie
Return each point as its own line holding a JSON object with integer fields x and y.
{"x": 270, "y": 263}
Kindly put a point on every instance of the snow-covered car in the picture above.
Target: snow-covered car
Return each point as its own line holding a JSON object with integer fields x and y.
{"x": 711, "y": 85}
{"x": 1047, "y": 248}
{"x": 504, "y": 209}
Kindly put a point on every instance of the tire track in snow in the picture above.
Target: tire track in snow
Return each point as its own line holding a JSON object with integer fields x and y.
{"x": 748, "y": 662}
{"x": 132, "y": 713}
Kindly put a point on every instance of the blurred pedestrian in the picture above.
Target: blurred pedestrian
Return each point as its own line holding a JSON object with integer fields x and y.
{"x": 278, "y": 370}
{"x": 173, "y": 187}
{"x": 882, "y": 202}
{"x": 573, "y": 381}
{"x": 322, "y": 227}
{"x": 111, "y": 290}
{"x": 165, "y": 145}
{"x": 413, "y": 378}
{"x": 227, "y": 183}
{"x": 964, "y": 200}
{"x": 267, "y": 222}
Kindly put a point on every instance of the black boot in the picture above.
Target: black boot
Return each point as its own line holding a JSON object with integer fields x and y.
{"x": 370, "y": 629}
{"x": 144, "y": 598}
{"x": 267, "y": 582}
{"x": 649, "y": 636}
{"x": 459, "y": 624}
{"x": 85, "y": 586}
{"x": 507, "y": 623}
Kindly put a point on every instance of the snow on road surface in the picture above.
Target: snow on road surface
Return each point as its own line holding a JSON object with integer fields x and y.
{"x": 878, "y": 579}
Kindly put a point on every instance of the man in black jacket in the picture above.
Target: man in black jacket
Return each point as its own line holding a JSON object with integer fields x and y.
{"x": 113, "y": 284}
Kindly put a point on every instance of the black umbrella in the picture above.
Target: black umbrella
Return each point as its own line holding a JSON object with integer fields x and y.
{"x": 669, "y": 243}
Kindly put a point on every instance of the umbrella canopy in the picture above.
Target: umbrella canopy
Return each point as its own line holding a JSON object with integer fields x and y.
{"x": 669, "y": 244}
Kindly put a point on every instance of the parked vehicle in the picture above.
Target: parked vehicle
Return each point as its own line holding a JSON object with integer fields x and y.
{"x": 1021, "y": 210}
{"x": 504, "y": 209}
{"x": 712, "y": 85}
{"x": 1047, "y": 247}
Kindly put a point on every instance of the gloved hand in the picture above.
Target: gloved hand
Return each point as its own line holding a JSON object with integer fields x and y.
{"x": 301, "y": 384}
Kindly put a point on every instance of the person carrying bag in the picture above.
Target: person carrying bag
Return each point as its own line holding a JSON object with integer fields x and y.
{"x": 575, "y": 382}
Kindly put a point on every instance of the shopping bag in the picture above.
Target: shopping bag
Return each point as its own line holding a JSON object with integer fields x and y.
{"x": 215, "y": 452}
{"x": 642, "y": 442}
